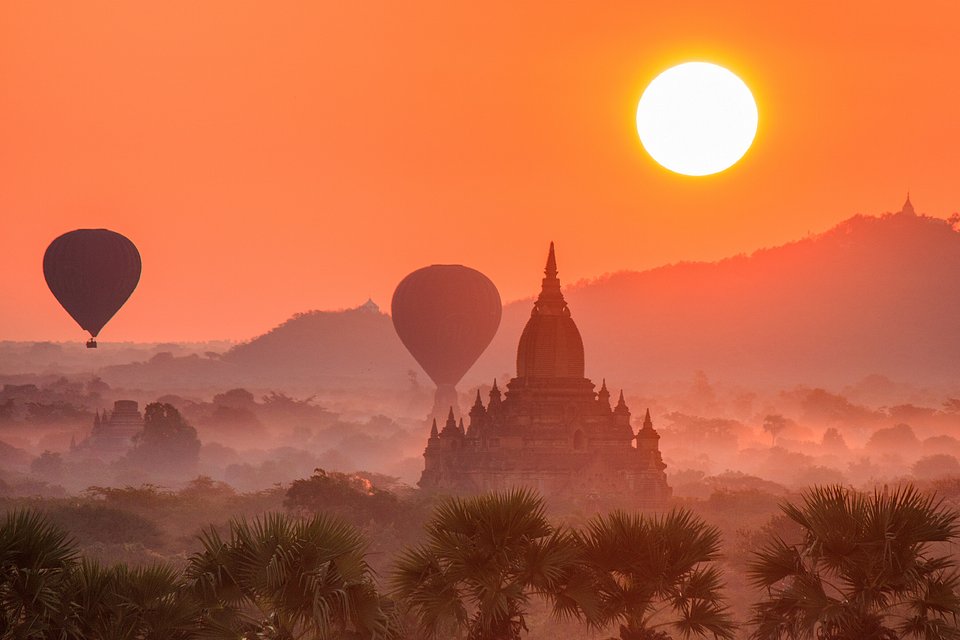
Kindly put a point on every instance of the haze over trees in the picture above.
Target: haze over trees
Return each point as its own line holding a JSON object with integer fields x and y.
{"x": 252, "y": 440}
{"x": 168, "y": 445}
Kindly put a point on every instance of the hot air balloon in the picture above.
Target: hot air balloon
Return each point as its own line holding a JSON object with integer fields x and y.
{"x": 446, "y": 315}
{"x": 91, "y": 273}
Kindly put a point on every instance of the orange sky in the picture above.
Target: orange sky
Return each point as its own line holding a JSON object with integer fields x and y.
{"x": 269, "y": 158}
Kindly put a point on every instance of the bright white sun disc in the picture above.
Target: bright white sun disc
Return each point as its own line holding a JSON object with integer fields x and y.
{"x": 697, "y": 118}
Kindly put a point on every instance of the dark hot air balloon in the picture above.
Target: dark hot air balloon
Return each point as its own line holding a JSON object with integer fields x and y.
{"x": 91, "y": 272}
{"x": 446, "y": 315}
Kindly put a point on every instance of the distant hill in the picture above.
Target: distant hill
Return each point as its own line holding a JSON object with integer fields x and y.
{"x": 872, "y": 295}
{"x": 353, "y": 344}
{"x": 340, "y": 349}
{"x": 73, "y": 357}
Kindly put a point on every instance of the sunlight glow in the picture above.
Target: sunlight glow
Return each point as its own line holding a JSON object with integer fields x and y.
{"x": 697, "y": 118}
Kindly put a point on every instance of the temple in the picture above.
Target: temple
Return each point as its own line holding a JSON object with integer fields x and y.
{"x": 112, "y": 433}
{"x": 907, "y": 207}
{"x": 550, "y": 430}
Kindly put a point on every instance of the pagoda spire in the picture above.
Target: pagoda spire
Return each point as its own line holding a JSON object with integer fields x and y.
{"x": 551, "y": 269}
{"x": 463, "y": 431}
{"x": 550, "y": 301}
{"x": 477, "y": 416}
{"x": 647, "y": 443}
{"x": 603, "y": 396}
{"x": 433, "y": 430}
{"x": 495, "y": 398}
{"x": 450, "y": 428}
{"x": 647, "y": 422}
{"x": 908, "y": 207}
{"x": 621, "y": 404}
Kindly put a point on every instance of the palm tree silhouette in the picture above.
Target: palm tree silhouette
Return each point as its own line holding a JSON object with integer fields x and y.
{"x": 286, "y": 578}
{"x": 485, "y": 557}
{"x": 869, "y": 567}
{"x": 36, "y": 558}
{"x": 652, "y": 572}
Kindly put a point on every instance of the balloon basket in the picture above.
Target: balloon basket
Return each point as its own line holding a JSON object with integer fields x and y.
{"x": 91, "y": 344}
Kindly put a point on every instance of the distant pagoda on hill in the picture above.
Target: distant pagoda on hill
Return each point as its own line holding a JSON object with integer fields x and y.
{"x": 550, "y": 431}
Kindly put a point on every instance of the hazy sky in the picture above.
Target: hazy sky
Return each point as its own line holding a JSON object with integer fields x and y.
{"x": 275, "y": 157}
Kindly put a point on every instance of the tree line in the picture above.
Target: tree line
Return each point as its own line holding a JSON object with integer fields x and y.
{"x": 865, "y": 567}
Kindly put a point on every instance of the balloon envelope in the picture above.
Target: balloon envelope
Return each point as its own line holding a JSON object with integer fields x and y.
{"x": 446, "y": 315}
{"x": 92, "y": 272}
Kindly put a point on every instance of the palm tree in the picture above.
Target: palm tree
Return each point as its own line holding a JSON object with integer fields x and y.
{"x": 46, "y": 592}
{"x": 652, "y": 572}
{"x": 483, "y": 559}
{"x": 867, "y": 568}
{"x": 36, "y": 558}
{"x": 144, "y": 603}
{"x": 285, "y": 578}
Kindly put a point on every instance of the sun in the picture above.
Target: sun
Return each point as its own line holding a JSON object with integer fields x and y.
{"x": 697, "y": 118}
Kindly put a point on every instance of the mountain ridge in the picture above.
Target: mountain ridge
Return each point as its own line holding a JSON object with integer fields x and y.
{"x": 871, "y": 295}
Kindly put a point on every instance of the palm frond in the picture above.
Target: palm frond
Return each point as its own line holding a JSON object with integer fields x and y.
{"x": 289, "y": 575}
{"x": 864, "y": 559}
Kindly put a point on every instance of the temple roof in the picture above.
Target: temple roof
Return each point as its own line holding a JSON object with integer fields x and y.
{"x": 908, "y": 206}
{"x": 550, "y": 346}
{"x": 370, "y": 306}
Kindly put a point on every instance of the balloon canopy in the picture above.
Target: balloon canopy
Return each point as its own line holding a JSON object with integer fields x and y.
{"x": 92, "y": 272}
{"x": 446, "y": 315}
